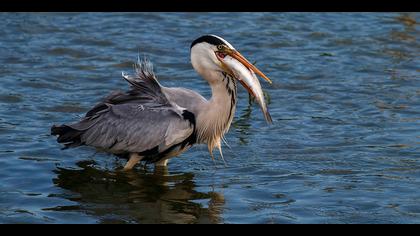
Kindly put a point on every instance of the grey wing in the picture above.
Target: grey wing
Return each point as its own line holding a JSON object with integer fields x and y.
{"x": 136, "y": 128}
{"x": 138, "y": 120}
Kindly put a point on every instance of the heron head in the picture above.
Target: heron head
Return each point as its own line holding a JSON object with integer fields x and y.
{"x": 213, "y": 54}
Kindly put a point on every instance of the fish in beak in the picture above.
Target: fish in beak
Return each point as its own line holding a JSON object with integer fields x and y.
{"x": 245, "y": 72}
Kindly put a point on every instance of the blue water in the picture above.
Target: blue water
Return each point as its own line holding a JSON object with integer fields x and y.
{"x": 344, "y": 146}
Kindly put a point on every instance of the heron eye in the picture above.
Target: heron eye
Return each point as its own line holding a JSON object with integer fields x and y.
{"x": 220, "y": 47}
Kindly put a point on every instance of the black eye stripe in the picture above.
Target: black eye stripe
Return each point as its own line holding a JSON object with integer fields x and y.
{"x": 208, "y": 39}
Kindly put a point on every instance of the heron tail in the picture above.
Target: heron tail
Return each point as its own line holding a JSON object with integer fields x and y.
{"x": 68, "y": 136}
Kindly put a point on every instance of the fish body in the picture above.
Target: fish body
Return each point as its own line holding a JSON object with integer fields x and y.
{"x": 250, "y": 81}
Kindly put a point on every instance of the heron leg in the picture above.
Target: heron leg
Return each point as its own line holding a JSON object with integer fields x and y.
{"x": 162, "y": 162}
{"x": 134, "y": 159}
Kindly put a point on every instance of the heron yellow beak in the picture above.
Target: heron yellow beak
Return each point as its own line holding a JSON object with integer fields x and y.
{"x": 235, "y": 54}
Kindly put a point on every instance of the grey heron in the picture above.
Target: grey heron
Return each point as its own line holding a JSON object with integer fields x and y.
{"x": 153, "y": 123}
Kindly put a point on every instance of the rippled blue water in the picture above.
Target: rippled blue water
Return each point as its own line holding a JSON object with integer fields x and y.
{"x": 344, "y": 146}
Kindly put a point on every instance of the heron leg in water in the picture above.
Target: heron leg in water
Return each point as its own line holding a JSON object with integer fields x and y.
{"x": 162, "y": 163}
{"x": 134, "y": 159}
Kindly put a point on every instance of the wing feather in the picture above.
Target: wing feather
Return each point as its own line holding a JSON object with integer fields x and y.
{"x": 137, "y": 120}
{"x": 126, "y": 128}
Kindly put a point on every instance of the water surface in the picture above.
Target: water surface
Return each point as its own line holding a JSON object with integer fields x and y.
{"x": 344, "y": 146}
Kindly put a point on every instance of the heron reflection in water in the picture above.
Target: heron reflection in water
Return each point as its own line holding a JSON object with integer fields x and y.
{"x": 136, "y": 196}
{"x": 153, "y": 123}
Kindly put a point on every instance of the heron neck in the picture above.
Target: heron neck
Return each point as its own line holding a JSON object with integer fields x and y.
{"x": 215, "y": 120}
